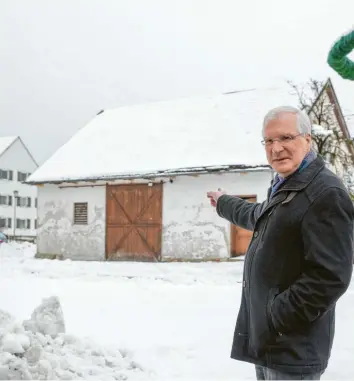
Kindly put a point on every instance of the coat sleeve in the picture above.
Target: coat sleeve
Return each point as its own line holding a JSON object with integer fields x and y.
{"x": 238, "y": 211}
{"x": 327, "y": 231}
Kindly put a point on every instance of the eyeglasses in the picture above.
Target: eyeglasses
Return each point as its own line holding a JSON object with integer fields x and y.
{"x": 283, "y": 140}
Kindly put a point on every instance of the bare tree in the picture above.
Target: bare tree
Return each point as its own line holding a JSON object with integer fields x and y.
{"x": 327, "y": 136}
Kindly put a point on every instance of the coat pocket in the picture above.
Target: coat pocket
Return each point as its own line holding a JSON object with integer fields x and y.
{"x": 273, "y": 292}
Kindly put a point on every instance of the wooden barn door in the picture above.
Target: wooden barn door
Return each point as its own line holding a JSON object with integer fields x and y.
{"x": 134, "y": 222}
{"x": 240, "y": 238}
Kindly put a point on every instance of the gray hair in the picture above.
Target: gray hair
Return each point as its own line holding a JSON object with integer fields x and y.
{"x": 303, "y": 121}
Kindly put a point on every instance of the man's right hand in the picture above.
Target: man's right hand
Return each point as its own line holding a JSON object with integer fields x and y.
{"x": 214, "y": 196}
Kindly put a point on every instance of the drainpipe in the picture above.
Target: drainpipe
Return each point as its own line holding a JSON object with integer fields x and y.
{"x": 15, "y": 204}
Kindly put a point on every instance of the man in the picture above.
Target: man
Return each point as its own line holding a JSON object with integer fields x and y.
{"x": 299, "y": 261}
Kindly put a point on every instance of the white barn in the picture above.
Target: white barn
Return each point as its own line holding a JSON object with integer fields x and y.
{"x": 131, "y": 185}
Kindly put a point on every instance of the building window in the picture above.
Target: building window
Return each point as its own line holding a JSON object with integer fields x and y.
{"x": 80, "y": 213}
{"x": 6, "y": 174}
{"x": 5, "y": 200}
{"x": 24, "y": 202}
{"x": 35, "y": 224}
{"x": 23, "y": 224}
{"x": 22, "y": 176}
{"x": 5, "y": 222}
{"x": 20, "y": 224}
{"x": 36, "y": 202}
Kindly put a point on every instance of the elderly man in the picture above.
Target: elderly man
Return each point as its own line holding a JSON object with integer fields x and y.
{"x": 299, "y": 261}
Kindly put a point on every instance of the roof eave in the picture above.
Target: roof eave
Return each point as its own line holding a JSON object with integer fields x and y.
{"x": 159, "y": 174}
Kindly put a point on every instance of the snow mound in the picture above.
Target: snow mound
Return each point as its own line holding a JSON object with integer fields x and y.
{"x": 17, "y": 250}
{"x": 47, "y": 318}
{"x": 40, "y": 349}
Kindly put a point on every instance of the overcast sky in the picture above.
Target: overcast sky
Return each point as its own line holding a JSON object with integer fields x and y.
{"x": 62, "y": 61}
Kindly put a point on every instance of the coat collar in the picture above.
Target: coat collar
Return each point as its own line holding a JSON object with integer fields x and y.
{"x": 294, "y": 184}
{"x": 300, "y": 180}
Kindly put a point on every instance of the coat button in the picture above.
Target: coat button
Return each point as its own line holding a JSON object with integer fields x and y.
{"x": 255, "y": 234}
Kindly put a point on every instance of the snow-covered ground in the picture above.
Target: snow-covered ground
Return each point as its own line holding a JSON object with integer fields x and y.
{"x": 129, "y": 321}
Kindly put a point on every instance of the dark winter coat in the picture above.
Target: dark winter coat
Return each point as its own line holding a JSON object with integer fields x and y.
{"x": 298, "y": 264}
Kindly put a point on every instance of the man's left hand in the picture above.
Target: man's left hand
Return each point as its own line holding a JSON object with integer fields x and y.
{"x": 214, "y": 196}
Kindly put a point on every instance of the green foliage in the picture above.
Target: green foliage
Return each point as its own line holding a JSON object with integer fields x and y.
{"x": 337, "y": 57}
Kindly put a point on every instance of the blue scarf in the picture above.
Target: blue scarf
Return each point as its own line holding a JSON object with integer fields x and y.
{"x": 278, "y": 180}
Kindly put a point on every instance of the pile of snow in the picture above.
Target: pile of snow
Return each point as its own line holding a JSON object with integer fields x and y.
{"x": 20, "y": 250}
{"x": 39, "y": 348}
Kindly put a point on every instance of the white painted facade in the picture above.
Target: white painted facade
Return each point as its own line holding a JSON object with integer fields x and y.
{"x": 57, "y": 234}
{"x": 14, "y": 160}
{"x": 191, "y": 227}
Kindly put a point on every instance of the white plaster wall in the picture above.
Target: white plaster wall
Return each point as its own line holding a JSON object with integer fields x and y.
{"x": 192, "y": 228}
{"x": 16, "y": 158}
{"x": 56, "y": 232}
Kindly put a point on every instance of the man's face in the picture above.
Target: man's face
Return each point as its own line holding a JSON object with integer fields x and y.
{"x": 286, "y": 154}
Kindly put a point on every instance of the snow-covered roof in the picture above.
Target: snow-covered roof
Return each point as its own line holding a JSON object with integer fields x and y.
{"x": 5, "y": 142}
{"x": 168, "y": 137}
